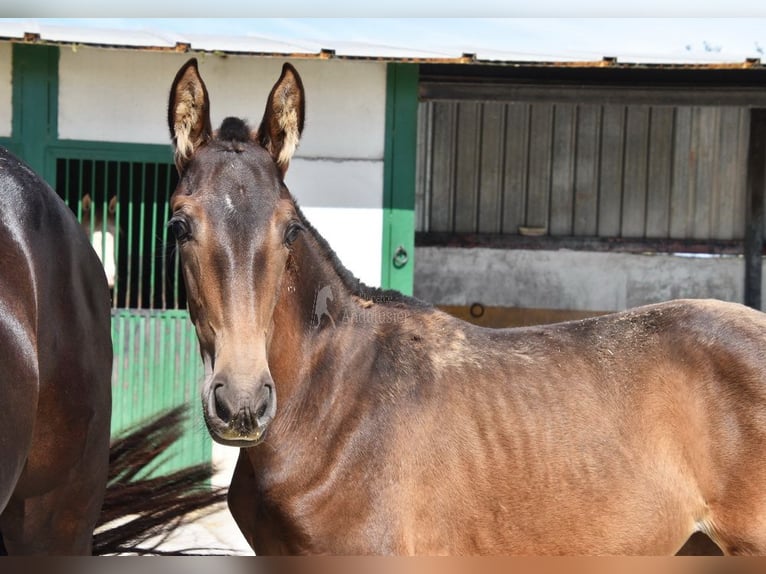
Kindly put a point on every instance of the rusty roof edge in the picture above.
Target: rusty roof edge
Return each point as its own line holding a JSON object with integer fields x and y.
{"x": 311, "y": 50}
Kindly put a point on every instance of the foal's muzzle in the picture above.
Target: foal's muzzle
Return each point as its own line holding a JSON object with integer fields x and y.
{"x": 237, "y": 413}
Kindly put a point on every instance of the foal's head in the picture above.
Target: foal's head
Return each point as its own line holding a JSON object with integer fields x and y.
{"x": 234, "y": 223}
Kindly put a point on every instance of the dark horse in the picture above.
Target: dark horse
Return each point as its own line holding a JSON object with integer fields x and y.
{"x": 55, "y": 371}
{"x": 403, "y": 430}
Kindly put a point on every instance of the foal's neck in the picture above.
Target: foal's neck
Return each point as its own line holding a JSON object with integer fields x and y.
{"x": 324, "y": 335}
{"x": 308, "y": 333}
{"x": 317, "y": 292}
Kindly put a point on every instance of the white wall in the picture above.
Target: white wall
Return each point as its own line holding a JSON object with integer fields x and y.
{"x": 6, "y": 89}
{"x": 337, "y": 176}
{"x": 573, "y": 280}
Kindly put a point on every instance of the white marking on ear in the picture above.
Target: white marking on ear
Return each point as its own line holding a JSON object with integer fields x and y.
{"x": 188, "y": 113}
{"x": 186, "y": 117}
{"x": 288, "y": 122}
{"x": 282, "y": 123}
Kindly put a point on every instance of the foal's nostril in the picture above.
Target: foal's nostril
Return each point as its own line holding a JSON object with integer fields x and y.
{"x": 265, "y": 406}
{"x": 221, "y": 408}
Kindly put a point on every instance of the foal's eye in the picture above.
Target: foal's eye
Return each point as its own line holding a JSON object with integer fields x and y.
{"x": 292, "y": 232}
{"x": 180, "y": 229}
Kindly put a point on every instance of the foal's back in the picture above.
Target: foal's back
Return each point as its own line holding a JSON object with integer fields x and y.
{"x": 619, "y": 434}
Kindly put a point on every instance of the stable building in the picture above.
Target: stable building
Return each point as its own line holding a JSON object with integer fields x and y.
{"x": 507, "y": 188}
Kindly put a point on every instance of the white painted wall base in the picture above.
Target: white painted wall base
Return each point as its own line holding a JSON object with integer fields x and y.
{"x": 575, "y": 280}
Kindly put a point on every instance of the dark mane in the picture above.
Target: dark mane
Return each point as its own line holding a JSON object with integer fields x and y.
{"x": 350, "y": 282}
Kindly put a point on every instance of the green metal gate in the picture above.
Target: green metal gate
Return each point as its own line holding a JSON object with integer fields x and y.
{"x": 156, "y": 358}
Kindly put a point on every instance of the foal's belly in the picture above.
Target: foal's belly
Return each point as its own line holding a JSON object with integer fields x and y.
{"x": 568, "y": 480}
{"x": 623, "y": 518}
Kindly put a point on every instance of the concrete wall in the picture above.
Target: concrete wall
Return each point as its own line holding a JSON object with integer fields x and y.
{"x": 337, "y": 176}
{"x": 573, "y": 280}
{"x": 6, "y": 89}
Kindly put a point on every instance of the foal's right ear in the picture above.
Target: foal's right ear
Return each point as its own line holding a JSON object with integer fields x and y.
{"x": 188, "y": 113}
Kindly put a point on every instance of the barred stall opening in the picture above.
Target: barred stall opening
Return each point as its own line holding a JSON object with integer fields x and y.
{"x": 124, "y": 207}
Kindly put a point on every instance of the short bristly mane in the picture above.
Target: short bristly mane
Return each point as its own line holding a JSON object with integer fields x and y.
{"x": 350, "y": 282}
{"x": 234, "y": 130}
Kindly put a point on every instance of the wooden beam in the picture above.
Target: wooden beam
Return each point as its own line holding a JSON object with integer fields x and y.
{"x": 508, "y": 91}
{"x": 756, "y": 169}
{"x": 600, "y": 244}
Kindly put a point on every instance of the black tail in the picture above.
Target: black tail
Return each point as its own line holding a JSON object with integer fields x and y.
{"x": 138, "y": 508}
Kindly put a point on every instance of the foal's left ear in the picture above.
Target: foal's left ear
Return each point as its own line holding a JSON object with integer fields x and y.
{"x": 282, "y": 123}
{"x": 188, "y": 113}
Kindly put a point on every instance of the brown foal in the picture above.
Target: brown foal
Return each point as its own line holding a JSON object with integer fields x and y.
{"x": 402, "y": 430}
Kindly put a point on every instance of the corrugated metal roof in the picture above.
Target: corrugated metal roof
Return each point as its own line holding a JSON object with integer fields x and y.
{"x": 539, "y": 46}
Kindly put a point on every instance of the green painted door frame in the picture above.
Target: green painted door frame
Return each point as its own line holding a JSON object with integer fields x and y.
{"x": 157, "y": 364}
{"x": 35, "y": 88}
{"x": 399, "y": 177}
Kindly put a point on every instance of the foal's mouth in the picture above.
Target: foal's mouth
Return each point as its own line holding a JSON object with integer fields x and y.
{"x": 227, "y": 438}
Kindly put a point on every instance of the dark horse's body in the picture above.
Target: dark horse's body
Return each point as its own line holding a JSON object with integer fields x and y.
{"x": 55, "y": 369}
{"x": 403, "y": 430}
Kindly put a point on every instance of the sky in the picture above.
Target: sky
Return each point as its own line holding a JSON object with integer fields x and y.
{"x": 389, "y": 8}
{"x": 732, "y": 39}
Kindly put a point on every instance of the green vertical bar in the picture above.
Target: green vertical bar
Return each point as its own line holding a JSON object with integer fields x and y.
{"x": 153, "y": 268}
{"x": 117, "y": 232}
{"x": 165, "y": 217}
{"x": 115, "y": 333}
{"x": 141, "y": 360}
{"x": 124, "y": 355}
{"x": 183, "y": 362}
{"x": 176, "y": 280}
{"x": 67, "y": 185}
{"x": 141, "y": 231}
{"x": 80, "y": 184}
{"x": 399, "y": 177}
{"x": 185, "y": 376}
{"x": 92, "y": 190}
{"x": 125, "y": 361}
{"x": 131, "y": 189}
{"x": 118, "y": 369}
{"x": 105, "y": 209}
{"x": 166, "y": 380}
{"x": 35, "y": 105}
{"x": 150, "y": 378}
{"x": 133, "y": 366}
